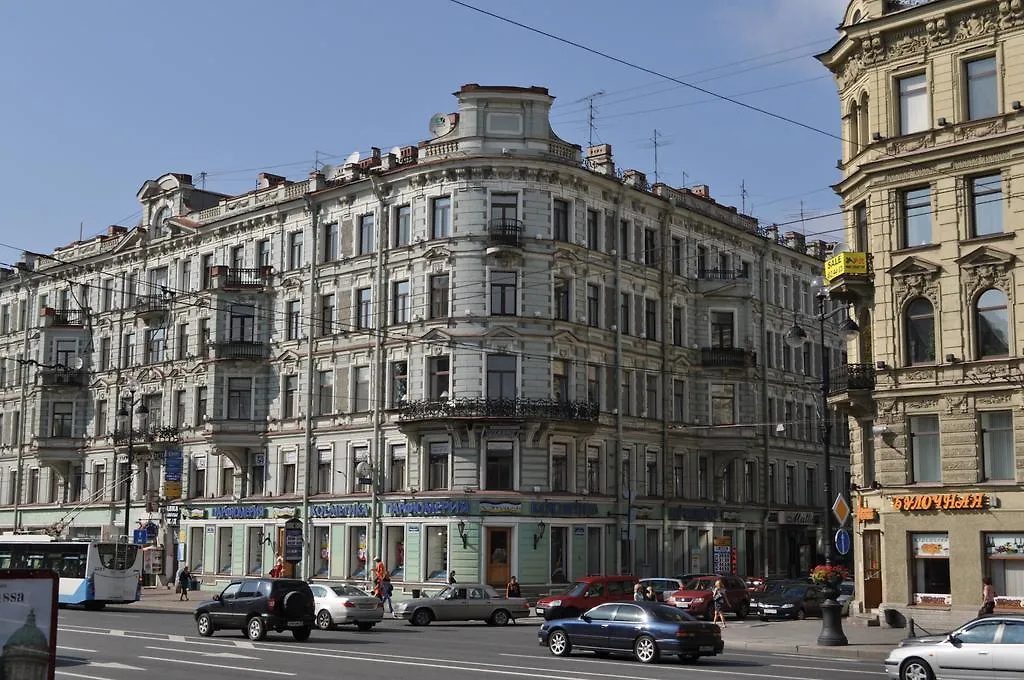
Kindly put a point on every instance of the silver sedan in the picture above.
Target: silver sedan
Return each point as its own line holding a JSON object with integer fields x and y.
{"x": 989, "y": 647}
{"x": 345, "y": 605}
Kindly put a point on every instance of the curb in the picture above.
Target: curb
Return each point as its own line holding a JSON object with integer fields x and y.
{"x": 813, "y": 650}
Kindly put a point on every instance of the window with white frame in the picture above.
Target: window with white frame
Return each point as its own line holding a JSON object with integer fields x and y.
{"x": 361, "y": 389}
{"x": 324, "y": 470}
{"x": 288, "y": 469}
{"x": 501, "y": 376}
{"x": 239, "y": 398}
{"x": 595, "y": 470}
{"x": 367, "y": 235}
{"x": 258, "y": 474}
{"x": 982, "y": 88}
{"x": 399, "y": 383}
{"x": 397, "y": 468}
{"x": 438, "y": 454}
{"x": 916, "y": 217}
{"x": 295, "y": 250}
{"x": 400, "y": 302}
{"x": 986, "y": 195}
{"x": 325, "y": 391}
{"x": 593, "y": 305}
{"x": 438, "y": 296}
{"x": 330, "y": 245}
{"x": 441, "y": 226}
{"x": 503, "y": 293}
{"x": 925, "y": 451}
{"x": 364, "y": 308}
{"x": 62, "y": 419}
{"x": 914, "y": 110}
{"x": 559, "y": 467}
{"x": 998, "y": 454}
{"x": 403, "y": 226}
{"x": 439, "y": 378}
{"x": 360, "y": 454}
{"x": 499, "y": 473}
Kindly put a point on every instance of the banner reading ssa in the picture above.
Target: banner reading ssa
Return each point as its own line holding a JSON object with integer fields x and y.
{"x": 28, "y": 606}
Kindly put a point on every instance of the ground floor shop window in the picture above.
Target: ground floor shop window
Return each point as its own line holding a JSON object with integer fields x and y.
{"x": 357, "y": 551}
{"x": 224, "y": 550}
{"x": 322, "y": 550}
{"x": 195, "y": 546}
{"x": 437, "y": 553}
{"x": 595, "y": 563}
{"x": 1004, "y": 555}
{"x": 394, "y": 555}
{"x": 930, "y": 568}
{"x": 559, "y": 554}
{"x": 254, "y": 554}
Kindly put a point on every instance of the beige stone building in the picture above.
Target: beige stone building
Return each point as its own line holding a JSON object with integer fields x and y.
{"x": 933, "y": 132}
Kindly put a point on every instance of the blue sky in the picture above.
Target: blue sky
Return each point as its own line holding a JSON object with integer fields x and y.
{"x": 99, "y": 96}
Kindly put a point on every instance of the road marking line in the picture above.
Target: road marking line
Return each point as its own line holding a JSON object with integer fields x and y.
{"x": 80, "y": 675}
{"x": 217, "y": 665}
{"x": 176, "y": 638}
{"x": 76, "y": 649}
{"x": 223, "y": 655}
{"x": 245, "y": 644}
{"x": 810, "y": 668}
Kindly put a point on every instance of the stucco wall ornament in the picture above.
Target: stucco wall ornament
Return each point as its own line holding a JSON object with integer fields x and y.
{"x": 908, "y": 43}
{"x": 913, "y": 281}
{"x": 922, "y": 403}
{"x": 888, "y": 410}
{"x": 974, "y": 25}
{"x": 985, "y": 268}
{"x": 991, "y": 398}
{"x": 956, "y": 402}
{"x": 1011, "y": 13}
{"x": 938, "y": 31}
{"x": 872, "y": 49}
{"x": 981, "y": 130}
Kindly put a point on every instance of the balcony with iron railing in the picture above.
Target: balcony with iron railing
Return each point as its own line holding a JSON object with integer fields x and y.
{"x": 241, "y": 350}
{"x": 720, "y": 274}
{"x": 727, "y": 357}
{"x": 851, "y": 378}
{"x": 62, "y": 316}
{"x": 156, "y": 435}
{"x": 505, "y": 232}
{"x": 150, "y": 306}
{"x": 498, "y": 409}
{"x": 62, "y": 377}
{"x": 240, "y": 278}
{"x": 850, "y": 277}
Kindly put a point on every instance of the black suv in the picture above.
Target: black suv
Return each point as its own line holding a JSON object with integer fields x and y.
{"x": 256, "y": 605}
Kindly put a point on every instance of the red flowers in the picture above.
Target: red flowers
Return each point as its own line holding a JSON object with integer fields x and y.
{"x": 824, "y": 573}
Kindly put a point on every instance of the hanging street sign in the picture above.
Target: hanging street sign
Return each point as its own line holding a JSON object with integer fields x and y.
{"x": 841, "y": 510}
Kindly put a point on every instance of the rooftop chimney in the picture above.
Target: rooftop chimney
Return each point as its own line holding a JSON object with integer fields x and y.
{"x": 702, "y": 190}
{"x": 267, "y": 180}
{"x": 599, "y": 159}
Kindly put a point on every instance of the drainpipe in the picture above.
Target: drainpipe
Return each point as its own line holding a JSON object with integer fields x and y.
{"x": 666, "y": 380}
{"x": 624, "y": 485}
{"x": 377, "y": 404}
{"x": 766, "y": 416}
{"x": 22, "y": 415}
{"x": 311, "y": 316}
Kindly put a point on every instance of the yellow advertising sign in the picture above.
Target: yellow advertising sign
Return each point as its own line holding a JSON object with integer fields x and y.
{"x": 844, "y": 264}
{"x": 940, "y": 501}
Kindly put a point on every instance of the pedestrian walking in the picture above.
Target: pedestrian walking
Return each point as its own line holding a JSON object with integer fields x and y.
{"x": 512, "y": 589}
{"x": 184, "y": 583}
{"x": 386, "y": 589}
{"x": 988, "y": 597}
{"x": 721, "y": 602}
{"x": 451, "y": 578}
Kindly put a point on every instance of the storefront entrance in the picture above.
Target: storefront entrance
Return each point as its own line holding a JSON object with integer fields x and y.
{"x": 499, "y": 539}
{"x": 872, "y": 569}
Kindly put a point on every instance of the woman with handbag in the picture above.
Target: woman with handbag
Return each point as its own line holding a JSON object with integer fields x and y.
{"x": 988, "y": 597}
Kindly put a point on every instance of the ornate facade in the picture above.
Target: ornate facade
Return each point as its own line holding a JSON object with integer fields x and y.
{"x": 485, "y": 353}
{"x": 932, "y": 127}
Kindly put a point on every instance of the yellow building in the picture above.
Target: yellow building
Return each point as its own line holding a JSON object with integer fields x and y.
{"x": 933, "y": 135}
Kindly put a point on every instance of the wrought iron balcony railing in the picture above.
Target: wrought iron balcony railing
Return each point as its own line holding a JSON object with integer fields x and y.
{"x": 241, "y": 350}
{"x": 147, "y": 305}
{"x": 64, "y": 317}
{"x": 728, "y": 357}
{"x": 506, "y": 232}
{"x": 62, "y": 377}
{"x": 720, "y": 274}
{"x": 850, "y": 377}
{"x": 246, "y": 277}
{"x": 522, "y": 409}
{"x": 165, "y": 434}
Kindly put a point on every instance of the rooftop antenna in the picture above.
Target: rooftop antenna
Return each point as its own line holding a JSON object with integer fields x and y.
{"x": 656, "y": 140}
{"x": 590, "y": 112}
{"x": 743, "y": 196}
{"x": 685, "y": 175}
{"x": 202, "y": 179}
{"x": 81, "y": 226}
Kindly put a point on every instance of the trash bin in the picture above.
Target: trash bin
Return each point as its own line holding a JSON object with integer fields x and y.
{"x": 196, "y": 583}
{"x": 416, "y": 592}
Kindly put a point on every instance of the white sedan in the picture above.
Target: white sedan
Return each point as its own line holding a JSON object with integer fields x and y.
{"x": 345, "y": 605}
{"x": 989, "y": 647}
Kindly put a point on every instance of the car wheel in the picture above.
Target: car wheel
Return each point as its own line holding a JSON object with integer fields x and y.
{"x": 689, "y": 658}
{"x": 421, "y": 617}
{"x": 324, "y": 620}
{"x": 500, "y": 618}
{"x": 365, "y": 625}
{"x": 204, "y": 625}
{"x": 558, "y": 643}
{"x": 302, "y": 634}
{"x": 916, "y": 669}
{"x": 801, "y": 614}
{"x": 255, "y": 630}
{"x": 645, "y": 649}
{"x": 743, "y": 611}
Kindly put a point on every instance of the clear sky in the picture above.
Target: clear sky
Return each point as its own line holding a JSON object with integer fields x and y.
{"x": 97, "y": 97}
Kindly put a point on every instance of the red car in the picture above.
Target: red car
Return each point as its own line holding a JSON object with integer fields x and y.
{"x": 695, "y": 596}
{"x": 587, "y": 592}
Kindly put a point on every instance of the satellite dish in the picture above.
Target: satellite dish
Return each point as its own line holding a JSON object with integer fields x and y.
{"x": 396, "y": 151}
{"x": 327, "y": 170}
{"x": 441, "y": 124}
{"x": 352, "y": 158}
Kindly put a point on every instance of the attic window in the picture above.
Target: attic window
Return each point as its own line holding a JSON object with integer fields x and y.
{"x": 159, "y": 227}
{"x": 504, "y": 123}
{"x": 856, "y": 17}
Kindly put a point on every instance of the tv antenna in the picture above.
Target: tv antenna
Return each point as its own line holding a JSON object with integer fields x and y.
{"x": 590, "y": 112}
{"x": 657, "y": 140}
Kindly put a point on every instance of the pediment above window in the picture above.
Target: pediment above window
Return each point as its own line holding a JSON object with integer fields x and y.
{"x": 986, "y": 256}
{"x": 915, "y": 277}
{"x": 288, "y": 356}
{"x": 915, "y": 266}
{"x": 437, "y": 253}
{"x": 986, "y": 267}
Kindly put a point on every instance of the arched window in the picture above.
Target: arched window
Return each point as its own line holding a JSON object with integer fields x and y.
{"x": 863, "y": 125}
{"x": 853, "y": 133}
{"x": 992, "y": 324}
{"x": 920, "y": 332}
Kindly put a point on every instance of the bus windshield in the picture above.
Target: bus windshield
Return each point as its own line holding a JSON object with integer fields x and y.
{"x": 118, "y": 556}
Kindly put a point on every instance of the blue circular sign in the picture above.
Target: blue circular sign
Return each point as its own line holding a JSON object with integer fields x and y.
{"x": 843, "y": 542}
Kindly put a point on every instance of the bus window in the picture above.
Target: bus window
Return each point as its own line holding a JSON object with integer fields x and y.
{"x": 6, "y": 559}
{"x": 117, "y": 555}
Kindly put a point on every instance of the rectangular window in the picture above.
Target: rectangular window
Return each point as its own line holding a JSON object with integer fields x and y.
{"x": 914, "y": 109}
{"x": 651, "y": 395}
{"x": 227, "y": 481}
{"x": 503, "y": 293}
{"x": 327, "y": 308}
{"x": 593, "y": 234}
{"x": 101, "y": 417}
{"x": 295, "y": 250}
{"x": 179, "y": 408}
{"x": 624, "y": 313}
{"x": 560, "y": 369}
{"x": 330, "y": 245}
{"x": 679, "y": 401}
{"x": 288, "y": 476}
{"x": 439, "y": 375}
{"x": 703, "y": 480}
{"x": 811, "y": 487}
{"x": 289, "y": 405}
{"x": 593, "y": 305}
{"x": 181, "y": 342}
{"x": 437, "y": 466}
{"x": 403, "y": 226}
{"x": 562, "y": 295}
{"x": 292, "y": 329}
{"x": 624, "y": 233}
{"x": 560, "y": 220}
{"x": 594, "y": 384}
{"x": 76, "y": 485}
{"x": 400, "y": 302}
{"x": 559, "y": 468}
{"x": 501, "y": 376}
{"x": 500, "y": 466}
{"x": 263, "y": 253}
{"x": 325, "y": 391}
{"x": 986, "y": 205}
{"x": 925, "y": 450}
{"x": 677, "y": 326}
{"x": 324, "y": 473}
{"x": 931, "y": 576}
{"x": 559, "y": 564}
{"x": 650, "y": 247}
{"x": 917, "y": 217}
{"x": 626, "y": 393}
{"x": 789, "y": 482}
{"x": 361, "y": 389}
{"x": 201, "y": 407}
{"x": 678, "y": 475}
{"x": 594, "y": 469}
{"x": 242, "y": 323}
{"x": 723, "y": 404}
{"x": 367, "y": 240}
{"x": 438, "y": 296}
{"x": 62, "y": 413}
{"x": 128, "y": 350}
{"x": 105, "y": 354}
{"x": 504, "y": 213}
{"x": 397, "y": 468}
{"x": 722, "y": 329}
{"x": 982, "y": 88}
{"x": 997, "y": 445}
{"x": 437, "y": 553}
{"x": 364, "y": 308}
{"x": 650, "y": 319}
{"x": 677, "y": 256}
{"x": 198, "y": 478}
{"x": 750, "y": 481}
{"x": 360, "y": 454}
{"x": 155, "y": 345}
{"x": 399, "y": 371}
{"x": 442, "y": 222}
{"x": 239, "y": 398}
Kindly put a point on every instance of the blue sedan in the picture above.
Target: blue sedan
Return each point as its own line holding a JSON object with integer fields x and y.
{"x": 646, "y": 630}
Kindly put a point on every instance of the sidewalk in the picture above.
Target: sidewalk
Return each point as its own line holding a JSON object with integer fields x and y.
{"x": 800, "y": 637}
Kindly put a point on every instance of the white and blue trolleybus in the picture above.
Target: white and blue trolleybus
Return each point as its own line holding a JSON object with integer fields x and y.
{"x": 92, "y": 574}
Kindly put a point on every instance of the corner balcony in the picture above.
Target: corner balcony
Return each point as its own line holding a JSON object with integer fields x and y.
{"x": 235, "y": 432}
{"x": 151, "y": 307}
{"x": 158, "y": 437}
{"x": 849, "y": 277}
{"x": 62, "y": 317}
{"x": 59, "y": 445}
{"x": 504, "y": 233}
{"x": 498, "y": 409}
{"x": 241, "y": 350}
{"x": 727, "y": 357}
{"x": 851, "y": 387}
{"x": 240, "y": 278}
{"x": 62, "y": 377}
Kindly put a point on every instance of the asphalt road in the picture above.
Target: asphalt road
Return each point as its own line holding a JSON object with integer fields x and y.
{"x": 121, "y": 645}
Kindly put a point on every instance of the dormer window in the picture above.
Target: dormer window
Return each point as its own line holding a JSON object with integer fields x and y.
{"x": 159, "y": 226}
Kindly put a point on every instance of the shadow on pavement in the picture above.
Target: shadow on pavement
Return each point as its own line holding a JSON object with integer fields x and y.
{"x": 70, "y": 661}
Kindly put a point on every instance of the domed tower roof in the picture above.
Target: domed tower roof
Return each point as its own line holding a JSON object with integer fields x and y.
{"x": 28, "y": 636}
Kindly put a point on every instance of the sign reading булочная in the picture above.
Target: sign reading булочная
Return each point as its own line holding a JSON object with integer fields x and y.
{"x": 940, "y": 501}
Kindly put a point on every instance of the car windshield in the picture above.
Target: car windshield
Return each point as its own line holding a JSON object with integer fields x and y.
{"x": 348, "y": 591}
{"x": 670, "y": 614}
{"x": 577, "y": 589}
{"x": 700, "y": 584}
{"x": 795, "y": 591}
{"x": 775, "y": 586}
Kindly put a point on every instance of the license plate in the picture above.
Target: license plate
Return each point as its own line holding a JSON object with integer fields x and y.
{"x": 771, "y": 611}
{"x": 295, "y": 623}
{"x": 683, "y": 605}
{"x": 540, "y": 610}
{"x": 707, "y": 648}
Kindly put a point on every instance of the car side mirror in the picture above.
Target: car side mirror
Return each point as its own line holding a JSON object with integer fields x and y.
{"x": 217, "y": 597}
{"x": 585, "y": 618}
{"x": 954, "y": 639}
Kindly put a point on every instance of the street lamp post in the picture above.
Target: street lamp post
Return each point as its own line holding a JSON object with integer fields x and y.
{"x": 125, "y": 422}
{"x": 831, "y": 611}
